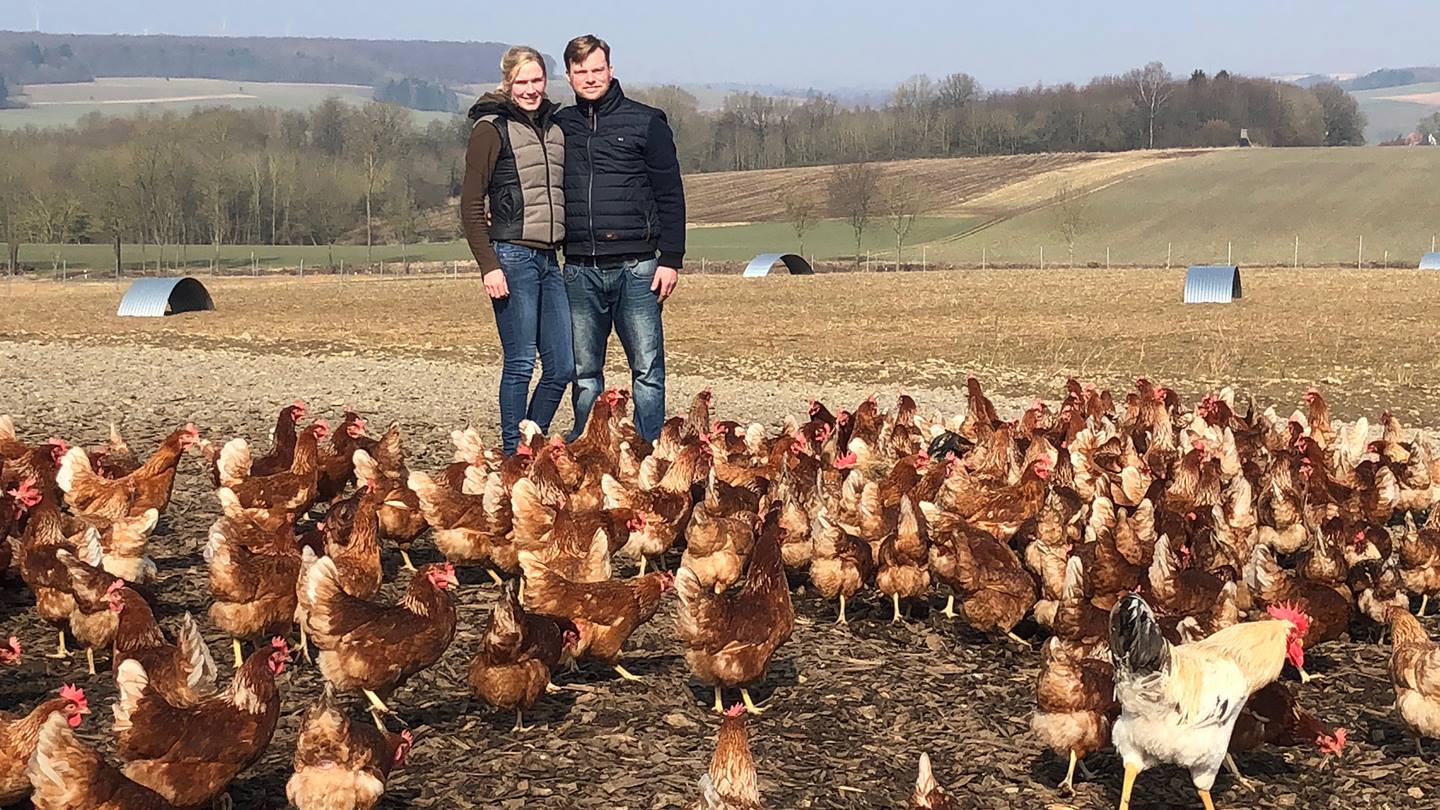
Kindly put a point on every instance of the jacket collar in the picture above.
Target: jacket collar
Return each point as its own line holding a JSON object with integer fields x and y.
{"x": 606, "y": 103}
{"x": 495, "y": 103}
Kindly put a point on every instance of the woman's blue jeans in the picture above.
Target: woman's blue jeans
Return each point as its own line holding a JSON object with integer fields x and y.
{"x": 535, "y": 317}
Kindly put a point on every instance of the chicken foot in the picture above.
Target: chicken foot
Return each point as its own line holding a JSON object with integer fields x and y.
{"x": 895, "y": 598}
{"x": 60, "y": 651}
{"x": 378, "y": 709}
{"x": 1424, "y": 601}
{"x": 624, "y": 673}
{"x": 405, "y": 555}
{"x": 719, "y": 707}
{"x": 842, "y": 619}
{"x": 949, "y": 610}
{"x": 1235, "y": 771}
{"x": 239, "y": 657}
{"x": 90, "y": 659}
{"x": 496, "y": 578}
{"x": 305, "y": 644}
{"x": 520, "y": 726}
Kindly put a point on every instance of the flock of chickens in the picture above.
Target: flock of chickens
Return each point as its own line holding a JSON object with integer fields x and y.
{"x": 1141, "y": 534}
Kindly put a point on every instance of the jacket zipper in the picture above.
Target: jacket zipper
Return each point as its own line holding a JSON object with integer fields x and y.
{"x": 590, "y": 192}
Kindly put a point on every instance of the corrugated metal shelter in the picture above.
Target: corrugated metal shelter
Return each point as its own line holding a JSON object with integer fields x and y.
{"x": 761, "y": 265}
{"x": 1430, "y": 261}
{"x": 1212, "y": 284}
{"x": 156, "y": 297}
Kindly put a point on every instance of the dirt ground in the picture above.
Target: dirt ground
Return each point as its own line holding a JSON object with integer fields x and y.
{"x": 851, "y": 708}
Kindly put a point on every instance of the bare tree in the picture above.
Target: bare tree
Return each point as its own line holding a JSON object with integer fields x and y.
{"x": 904, "y": 204}
{"x": 801, "y": 210}
{"x": 403, "y": 217}
{"x": 1153, "y": 86}
{"x": 379, "y": 128}
{"x": 1070, "y": 206}
{"x": 853, "y": 194}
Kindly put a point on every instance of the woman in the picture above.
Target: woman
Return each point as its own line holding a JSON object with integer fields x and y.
{"x": 512, "y": 207}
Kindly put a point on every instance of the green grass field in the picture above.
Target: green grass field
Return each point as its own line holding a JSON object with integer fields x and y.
{"x": 1386, "y": 117}
{"x": 1257, "y": 199}
{"x": 55, "y": 105}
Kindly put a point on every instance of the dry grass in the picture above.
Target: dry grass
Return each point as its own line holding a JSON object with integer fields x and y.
{"x": 951, "y": 185}
{"x": 1367, "y": 337}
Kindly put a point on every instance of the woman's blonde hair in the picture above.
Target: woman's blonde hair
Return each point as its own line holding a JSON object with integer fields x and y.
{"x": 517, "y": 57}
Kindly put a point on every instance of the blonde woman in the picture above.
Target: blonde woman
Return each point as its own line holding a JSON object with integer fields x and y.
{"x": 515, "y": 171}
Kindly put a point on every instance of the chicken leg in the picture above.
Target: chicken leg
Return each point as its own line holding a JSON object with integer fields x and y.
{"x": 842, "y": 619}
{"x": 60, "y": 651}
{"x": 624, "y": 673}
{"x": 1067, "y": 786}
{"x": 494, "y": 577}
{"x": 90, "y": 659}
{"x": 1424, "y": 601}
{"x": 750, "y": 704}
{"x": 719, "y": 702}
{"x": 305, "y": 643}
{"x": 949, "y": 610}
{"x": 1131, "y": 771}
{"x": 520, "y": 726}
{"x": 1235, "y": 770}
{"x": 895, "y": 598}
{"x": 239, "y": 658}
{"x": 642, "y": 565}
{"x": 405, "y": 555}
{"x": 1205, "y": 799}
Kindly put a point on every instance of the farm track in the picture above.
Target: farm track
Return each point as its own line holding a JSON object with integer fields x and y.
{"x": 850, "y": 708}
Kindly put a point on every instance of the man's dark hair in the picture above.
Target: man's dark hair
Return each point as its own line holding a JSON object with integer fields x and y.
{"x": 582, "y": 46}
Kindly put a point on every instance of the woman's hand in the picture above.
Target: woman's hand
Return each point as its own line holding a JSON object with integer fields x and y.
{"x": 495, "y": 285}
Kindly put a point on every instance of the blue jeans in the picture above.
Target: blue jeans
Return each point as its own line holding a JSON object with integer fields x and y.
{"x": 535, "y": 316}
{"x": 617, "y": 294}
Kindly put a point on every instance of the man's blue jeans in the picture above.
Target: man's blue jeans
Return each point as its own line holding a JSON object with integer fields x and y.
{"x": 616, "y": 294}
{"x": 534, "y": 317}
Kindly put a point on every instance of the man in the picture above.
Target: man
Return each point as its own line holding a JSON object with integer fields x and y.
{"x": 624, "y": 232}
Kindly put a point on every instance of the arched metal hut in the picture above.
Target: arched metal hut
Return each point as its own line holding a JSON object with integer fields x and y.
{"x": 1430, "y": 261}
{"x": 762, "y": 264}
{"x": 156, "y": 297}
{"x": 1212, "y": 284}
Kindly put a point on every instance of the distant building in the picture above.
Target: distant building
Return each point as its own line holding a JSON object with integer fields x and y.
{"x": 1244, "y": 136}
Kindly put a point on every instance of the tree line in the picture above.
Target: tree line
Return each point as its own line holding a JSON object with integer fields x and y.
{"x": 218, "y": 176}
{"x": 1146, "y": 107}
{"x": 362, "y": 175}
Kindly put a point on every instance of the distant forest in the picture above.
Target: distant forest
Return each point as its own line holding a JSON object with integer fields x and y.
{"x": 1146, "y": 107}
{"x": 415, "y": 74}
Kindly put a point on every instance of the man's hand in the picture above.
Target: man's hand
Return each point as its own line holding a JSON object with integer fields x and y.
{"x": 664, "y": 283}
{"x": 495, "y": 285}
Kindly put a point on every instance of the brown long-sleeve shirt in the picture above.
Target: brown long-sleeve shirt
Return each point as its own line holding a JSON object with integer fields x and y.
{"x": 480, "y": 157}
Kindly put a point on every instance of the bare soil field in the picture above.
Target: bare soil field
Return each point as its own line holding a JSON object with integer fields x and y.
{"x": 851, "y": 708}
{"x": 1367, "y": 337}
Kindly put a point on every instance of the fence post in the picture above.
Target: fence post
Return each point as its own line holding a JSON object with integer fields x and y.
{"x": 1297, "y": 252}
{"x": 1360, "y": 254}
{"x": 302, "y": 269}
{"x": 1107, "y": 257}
{"x": 867, "y": 261}
{"x": 1230, "y": 253}
{"x": 1169, "y": 246}
{"x": 982, "y": 257}
{"x": 1042, "y": 257}
{"x": 64, "y": 269}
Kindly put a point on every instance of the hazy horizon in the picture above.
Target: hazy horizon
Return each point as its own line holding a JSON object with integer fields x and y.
{"x": 840, "y": 44}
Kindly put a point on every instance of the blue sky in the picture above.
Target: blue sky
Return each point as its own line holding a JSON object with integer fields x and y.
{"x": 836, "y": 44}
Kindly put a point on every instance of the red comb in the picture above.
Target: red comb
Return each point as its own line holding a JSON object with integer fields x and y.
{"x": 323, "y": 423}
{"x": 115, "y": 587}
{"x": 735, "y": 711}
{"x": 300, "y": 403}
{"x": 73, "y": 693}
{"x": 1286, "y": 611}
{"x": 525, "y": 450}
{"x": 280, "y": 644}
